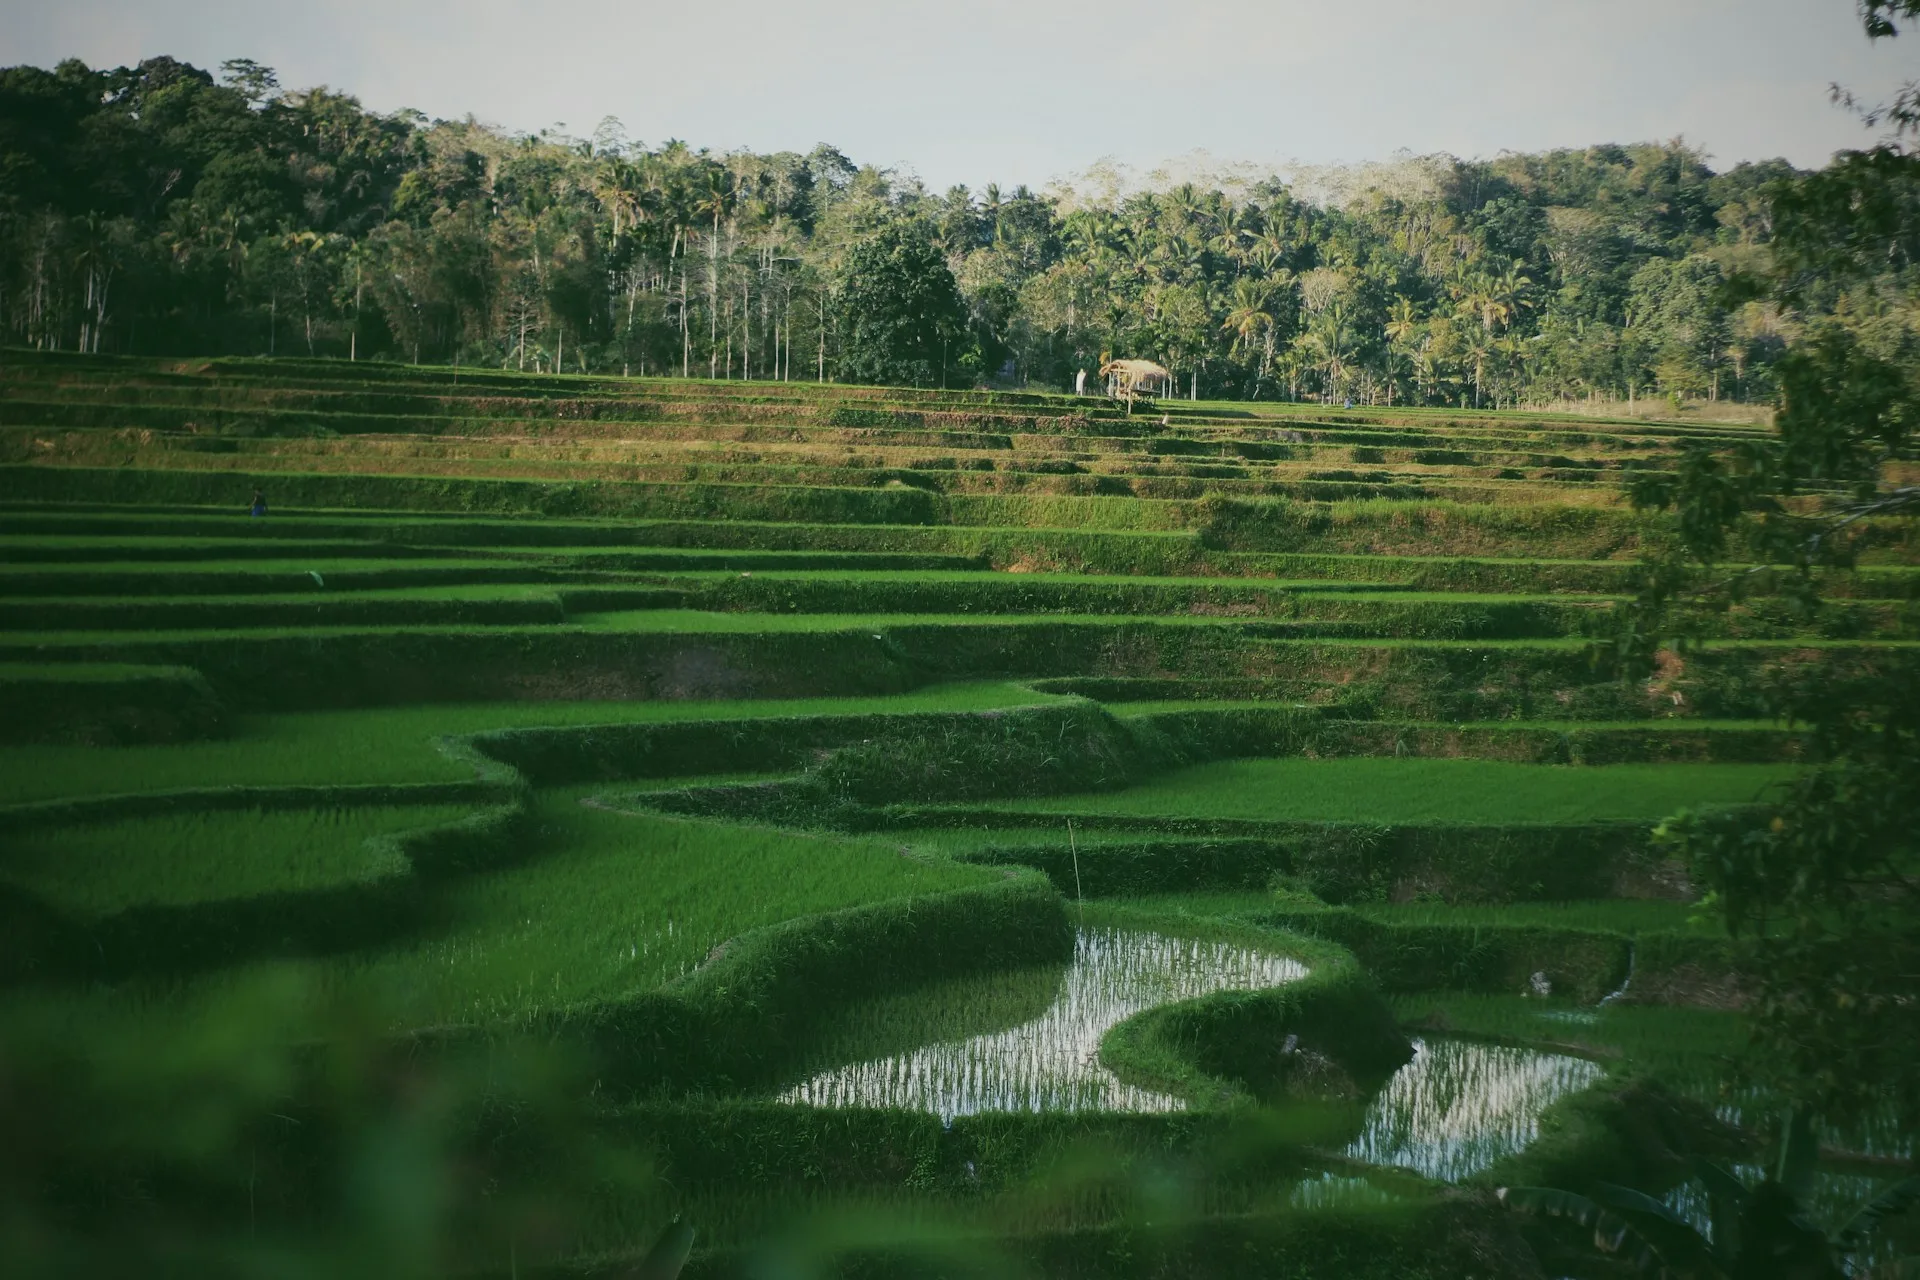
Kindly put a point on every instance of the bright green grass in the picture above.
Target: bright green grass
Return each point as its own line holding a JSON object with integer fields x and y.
{"x": 676, "y": 621}
{"x": 947, "y": 841}
{"x": 673, "y": 622}
{"x": 689, "y": 620}
{"x": 1127, "y": 710}
{"x": 57, "y": 571}
{"x": 948, "y": 576}
{"x": 397, "y": 745}
{"x": 694, "y": 622}
{"x": 610, "y": 904}
{"x": 1225, "y": 905}
{"x": 1672, "y": 724}
{"x": 1370, "y": 591}
{"x": 318, "y": 596}
{"x": 185, "y": 543}
{"x": 1618, "y": 915}
{"x": 100, "y": 868}
{"x": 89, "y": 672}
{"x": 1419, "y": 791}
{"x": 1686, "y": 1044}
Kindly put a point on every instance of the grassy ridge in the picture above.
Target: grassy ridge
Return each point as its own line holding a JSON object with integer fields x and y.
{"x": 398, "y": 745}
{"x": 1419, "y": 791}
{"x": 178, "y": 859}
{"x": 1342, "y": 708}
{"x": 601, "y": 906}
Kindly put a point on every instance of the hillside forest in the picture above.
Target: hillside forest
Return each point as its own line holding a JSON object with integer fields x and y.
{"x": 163, "y": 209}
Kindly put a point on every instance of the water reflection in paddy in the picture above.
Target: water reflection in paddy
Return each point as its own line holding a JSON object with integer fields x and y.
{"x": 1052, "y": 1062}
{"x": 1458, "y": 1107}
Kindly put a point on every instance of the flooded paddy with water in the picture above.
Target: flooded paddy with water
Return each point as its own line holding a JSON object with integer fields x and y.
{"x": 1451, "y": 1112}
{"x": 1051, "y": 1062}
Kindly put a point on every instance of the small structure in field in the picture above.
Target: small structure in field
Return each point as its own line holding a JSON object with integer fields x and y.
{"x": 1128, "y": 378}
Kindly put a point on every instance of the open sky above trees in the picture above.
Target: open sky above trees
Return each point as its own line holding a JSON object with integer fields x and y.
{"x": 1028, "y": 92}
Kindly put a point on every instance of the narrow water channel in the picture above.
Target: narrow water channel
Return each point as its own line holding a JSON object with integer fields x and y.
{"x": 1051, "y": 1063}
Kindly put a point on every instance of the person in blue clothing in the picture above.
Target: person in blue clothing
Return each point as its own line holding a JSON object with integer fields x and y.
{"x": 259, "y": 507}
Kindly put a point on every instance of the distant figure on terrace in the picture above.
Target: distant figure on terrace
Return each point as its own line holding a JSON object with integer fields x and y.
{"x": 259, "y": 507}
{"x": 1079, "y": 382}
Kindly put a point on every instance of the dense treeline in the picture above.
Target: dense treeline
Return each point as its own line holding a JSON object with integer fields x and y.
{"x": 159, "y": 209}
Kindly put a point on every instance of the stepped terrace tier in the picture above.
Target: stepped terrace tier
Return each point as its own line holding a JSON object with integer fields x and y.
{"x": 996, "y": 819}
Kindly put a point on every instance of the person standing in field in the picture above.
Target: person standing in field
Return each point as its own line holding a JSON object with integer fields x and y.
{"x": 1079, "y": 382}
{"x": 259, "y": 505}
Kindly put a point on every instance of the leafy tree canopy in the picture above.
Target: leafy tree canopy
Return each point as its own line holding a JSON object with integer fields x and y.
{"x": 901, "y": 316}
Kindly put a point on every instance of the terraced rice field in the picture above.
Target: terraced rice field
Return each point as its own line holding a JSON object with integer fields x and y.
{"x": 989, "y": 815}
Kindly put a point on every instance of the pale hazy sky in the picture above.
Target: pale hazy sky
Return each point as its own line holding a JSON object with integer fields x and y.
{"x": 1027, "y": 90}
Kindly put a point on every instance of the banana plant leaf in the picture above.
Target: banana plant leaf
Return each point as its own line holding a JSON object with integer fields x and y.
{"x": 668, "y": 1255}
{"x": 1612, "y": 1234}
{"x": 1890, "y": 1202}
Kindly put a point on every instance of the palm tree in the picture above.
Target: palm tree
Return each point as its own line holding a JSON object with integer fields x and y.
{"x": 1235, "y": 236}
{"x": 1479, "y": 346}
{"x": 616, "y": 185}
{"x": 1331, "y": 338}
{"x": 1250, "y": 317}
{"x": 1402, "y": 326}
{"x": 1473, "y": 298}
{"x": 715, "y": 200}
{"x": 1510, "y": 289}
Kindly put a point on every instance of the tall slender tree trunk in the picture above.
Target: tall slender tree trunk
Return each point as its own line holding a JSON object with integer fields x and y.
{"x": 713, "y": 300}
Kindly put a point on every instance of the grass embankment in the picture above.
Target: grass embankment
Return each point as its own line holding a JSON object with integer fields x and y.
{"x": 1618, "y": 915}
{"x": 398, "y": 745}
{"x": 602, "y": 906}
{"x": 1386, "y": 791}
{"x": 95, "y": 869}
{"x": 836, "y": 540}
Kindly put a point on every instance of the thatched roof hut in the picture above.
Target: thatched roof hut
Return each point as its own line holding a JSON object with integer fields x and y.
{"x": 1131, "y": 377}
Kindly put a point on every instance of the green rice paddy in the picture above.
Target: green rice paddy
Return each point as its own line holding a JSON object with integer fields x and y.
{"x": 416, "y": 746}
{"x": 1390, "y": 791}
{"x": 400, "y": 745}
{"x": 175, "y": 859}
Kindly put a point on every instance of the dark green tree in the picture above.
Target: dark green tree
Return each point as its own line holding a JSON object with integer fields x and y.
{"x": 1823, "y": 881}
{"x": 899, "y": 312}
